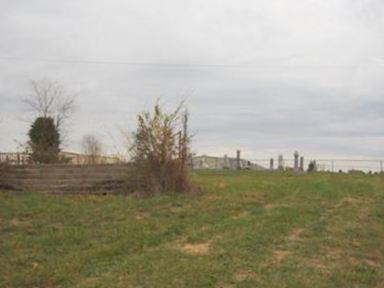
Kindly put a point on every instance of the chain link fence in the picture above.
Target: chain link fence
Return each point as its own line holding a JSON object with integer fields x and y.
{"x": 327, "y": 165}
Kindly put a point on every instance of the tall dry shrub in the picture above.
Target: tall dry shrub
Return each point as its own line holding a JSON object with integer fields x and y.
{"x": 160, "y": 152}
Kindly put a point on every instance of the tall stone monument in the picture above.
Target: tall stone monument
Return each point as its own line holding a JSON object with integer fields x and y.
{"x": 296, "y": 161}
{"x": 281, "y": 162}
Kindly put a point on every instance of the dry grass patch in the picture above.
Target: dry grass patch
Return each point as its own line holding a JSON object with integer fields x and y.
{"x": 243, "y": 275}
{"x": 241, "y": 215}
{"x": 252, "y": 194}
{"x": 222, "y": 185}
{"x": 318, "y": 264}
{"x": 295, "y": 234}
{"x": 142, "y": 216}
{"x": 374, "y": 258}
{"x": 198, "y": 249}
{"x": 279, "y": 256}
{"x": 18, "y": 222}
{"x": 338, "y": 254}
{"x": 350, "y": 201}
{"x": 372, "y": 263}
{"x": 270, "y": 206}
{"x": 213, "y": 197}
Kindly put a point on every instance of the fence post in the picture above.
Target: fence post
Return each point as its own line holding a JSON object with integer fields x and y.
{"x": 238, "y": 165}
{"x": 226, "y": 164}
{"x": 271, "y": 164}
{"x": 333, "y": 166}
{"x": 381, "y": 166}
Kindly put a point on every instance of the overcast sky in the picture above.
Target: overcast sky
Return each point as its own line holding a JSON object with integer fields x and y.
{"x": 264, "y": 76}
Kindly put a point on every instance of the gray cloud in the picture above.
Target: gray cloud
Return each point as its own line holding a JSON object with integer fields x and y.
{"x": 264, "y": 76}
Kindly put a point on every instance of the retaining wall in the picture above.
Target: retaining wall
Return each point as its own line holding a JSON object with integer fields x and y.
{"x": 65, "y": 178}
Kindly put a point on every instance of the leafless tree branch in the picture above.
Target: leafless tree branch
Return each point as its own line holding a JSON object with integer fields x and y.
{"x": 92, "y": 148}
{"x": 49, "y": 100}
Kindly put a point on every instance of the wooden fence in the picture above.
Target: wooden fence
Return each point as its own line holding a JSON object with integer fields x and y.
{"x": 66, "y": 157}
{"x": 61, "y": 179}
{"x": 14, "y": 158}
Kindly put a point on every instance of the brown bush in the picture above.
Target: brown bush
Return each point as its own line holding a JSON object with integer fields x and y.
{"x": 160, "y": 152}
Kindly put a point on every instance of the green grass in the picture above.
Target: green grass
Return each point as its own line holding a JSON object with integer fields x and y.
{"x": 245, "y": 229}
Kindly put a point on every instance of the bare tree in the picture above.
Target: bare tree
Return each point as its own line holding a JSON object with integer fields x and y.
{"x": 92, "y": 148}
{"x": 49, "y": 100}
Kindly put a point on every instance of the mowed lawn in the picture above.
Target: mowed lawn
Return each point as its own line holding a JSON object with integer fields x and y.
{"x": 245, "y": 229}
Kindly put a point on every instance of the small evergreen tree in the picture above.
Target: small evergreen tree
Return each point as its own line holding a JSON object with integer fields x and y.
{"x": 44, "y": 140}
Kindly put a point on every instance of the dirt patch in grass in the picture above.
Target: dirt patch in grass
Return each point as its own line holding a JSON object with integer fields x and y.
{"x": 349, "y": 201}
{"x": 241, "y": 215}
{"x": 198, "y": 249}
{"x": 253, "y": 195}
{"x": 243, "y": 275}
{"x": 213, "y": 197}
{"x": 34, "y": 265}
{"x": 142, "y": 216}
{"x": 361, "y": 204}
{"x": 371, "y": 263}
{"x": 295, "y": 234}
{"x": 337, "y": 254}
{"x": 373, "y": 258}
{"x": 317, "y": 264}
{"x": 270, "y": 206}
{"x": 222, "y": 185}
{"x": 355, "y": 243}
{"x": 279, "y": 256}
{"x": 18, "y": 222}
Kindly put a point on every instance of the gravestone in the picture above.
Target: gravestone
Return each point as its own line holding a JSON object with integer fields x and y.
{"x": 281, "y": 162}
{"x": 296, "y": 161}
{"x": 238, "y": 161}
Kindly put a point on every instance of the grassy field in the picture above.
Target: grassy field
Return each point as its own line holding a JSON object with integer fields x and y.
{"x": 245, "y": 229}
